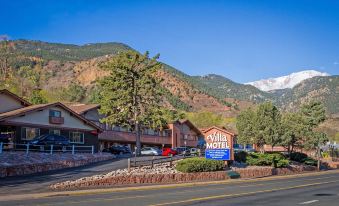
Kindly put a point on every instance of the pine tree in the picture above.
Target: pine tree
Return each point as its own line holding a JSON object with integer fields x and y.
{"x": 130, "y": 95}
{"x": 314, "y": 113}
{"x": 267, "y": 124}
{"x": 293, "y": 130}
{"x": 260, "y": 127}
{"x": 245, "y": 127}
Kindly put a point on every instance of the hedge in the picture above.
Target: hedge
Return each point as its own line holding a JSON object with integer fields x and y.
{"x": 240, "y": 156}
{"x": 303, "y": 158}
{"x": 276, "y": 160}
{"x": 298, "y": 157}
{"x": 197, "y": 164}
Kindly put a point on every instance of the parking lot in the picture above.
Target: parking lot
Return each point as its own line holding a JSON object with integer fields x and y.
{"x": 39, "y": 182}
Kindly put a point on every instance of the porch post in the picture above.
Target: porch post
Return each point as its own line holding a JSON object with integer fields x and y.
{"x": 27, "y": 148}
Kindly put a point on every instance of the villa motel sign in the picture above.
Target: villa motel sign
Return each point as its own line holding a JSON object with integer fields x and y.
{"x": 218, "y": 146}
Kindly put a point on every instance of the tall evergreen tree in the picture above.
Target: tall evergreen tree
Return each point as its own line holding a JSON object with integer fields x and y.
{"x": 293, "y": 130}
{"x": 245, "y": 126}
{"x": 130, "y": 95}
{"x": 267, "y": 124}
{"x": 314, "y": 113}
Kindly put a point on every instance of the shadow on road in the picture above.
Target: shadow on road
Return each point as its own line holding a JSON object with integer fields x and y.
{"x": 39, "y": 181}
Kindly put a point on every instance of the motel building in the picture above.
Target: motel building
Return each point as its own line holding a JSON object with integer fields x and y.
{"x": 21, "y": 121}
{"x": 178, "y": 134}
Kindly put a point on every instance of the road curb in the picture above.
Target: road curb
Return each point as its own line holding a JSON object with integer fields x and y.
{"x": 153, "y": 187}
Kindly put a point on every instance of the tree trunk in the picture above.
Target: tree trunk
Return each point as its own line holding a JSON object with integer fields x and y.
{"x": 138, "y": 139}
{"x": 289, "y": 150}
{"x": 318, "y": 155}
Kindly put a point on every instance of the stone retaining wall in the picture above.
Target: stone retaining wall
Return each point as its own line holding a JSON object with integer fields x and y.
{"x": 254, "y": 172}
{"x": 25, "y": 169}
{"x": 179, "y": 177}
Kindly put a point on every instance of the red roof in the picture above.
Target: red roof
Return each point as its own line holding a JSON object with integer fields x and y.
{"x": 217, "y": 128}
{"x": 82, "y": 108}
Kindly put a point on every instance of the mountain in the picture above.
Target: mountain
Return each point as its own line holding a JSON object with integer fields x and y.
{"x": 322, "y": 88}
{"x": 222, "y": 88}
{"x": 74, "y": 69}
{"x": 69, "y": 73}
{"x": 288, "y": 81}
{"x": 67, "y": 52}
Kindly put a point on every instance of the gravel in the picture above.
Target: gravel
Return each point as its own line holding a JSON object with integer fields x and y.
{"x": 162, "y": 168}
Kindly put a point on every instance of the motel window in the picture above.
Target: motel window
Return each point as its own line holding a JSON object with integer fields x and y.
{"x": 54, "y": 131}
{"x": 76, "y": 137}
{"x": 54, "y": 113}
{"x": 28, "y": 133}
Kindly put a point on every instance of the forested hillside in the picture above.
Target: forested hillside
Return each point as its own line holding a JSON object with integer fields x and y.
{"x": 62, "y": 72}
{"x": 65, "y": 72}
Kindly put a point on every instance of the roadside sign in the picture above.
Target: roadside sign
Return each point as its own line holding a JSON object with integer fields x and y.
{"x": 218, "y": 146}
{"x": 218, "y": 154}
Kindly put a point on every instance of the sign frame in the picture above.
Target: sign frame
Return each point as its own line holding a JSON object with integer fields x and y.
{"x": 219, "y": 144}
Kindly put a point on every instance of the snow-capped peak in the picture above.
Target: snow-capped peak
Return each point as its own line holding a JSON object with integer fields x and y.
{"x": 284, "y": 82}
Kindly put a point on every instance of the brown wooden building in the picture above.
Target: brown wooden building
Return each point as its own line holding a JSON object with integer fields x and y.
{"x": 21, "y": 121}
{"x": 178, "y": 134}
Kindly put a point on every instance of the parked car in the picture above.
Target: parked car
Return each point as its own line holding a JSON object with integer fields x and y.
{"x": 4, "y": 138}
{"x": 183, "y": 151}
{"x": 50, "y": 139}
{"x": 168, "y": 152}
{"x": 194, "y": 151}
{"x": 150, "y": 151}
{"x": 118, "y": 150}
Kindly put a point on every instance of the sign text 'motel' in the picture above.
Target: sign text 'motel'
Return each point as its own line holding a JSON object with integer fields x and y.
{"x": 217, "y": 147}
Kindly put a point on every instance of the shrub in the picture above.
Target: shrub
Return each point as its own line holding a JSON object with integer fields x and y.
{"x": 310, "y": 161}
{"x": 265, "y": 159}
{"x": 298, "y": 157}
{"x": 326, "y": 154}
{"x": 197, "y": 164}
{"x": 282, "y": 163}
{"x": 240, "y": 156}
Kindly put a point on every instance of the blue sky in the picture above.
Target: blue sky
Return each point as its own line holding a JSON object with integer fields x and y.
{"x": 241, "y": 40}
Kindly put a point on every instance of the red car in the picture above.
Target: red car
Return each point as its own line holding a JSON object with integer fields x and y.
{"x": 169, "y": 152}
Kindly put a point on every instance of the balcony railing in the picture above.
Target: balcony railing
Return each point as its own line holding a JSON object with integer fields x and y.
{"x": 118, "y": 136}
{"x": 56, "y": 120}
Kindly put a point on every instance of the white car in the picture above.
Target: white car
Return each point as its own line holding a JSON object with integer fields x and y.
{"x": 150, "y": 151}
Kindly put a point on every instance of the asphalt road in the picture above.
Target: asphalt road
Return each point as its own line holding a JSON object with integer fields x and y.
{"x": 310, "y": 189}
{"x": 35, "y": 183}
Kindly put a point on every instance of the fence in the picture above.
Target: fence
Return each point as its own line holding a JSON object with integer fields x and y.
{"x": 133, "y": 162}
{"x": 45, "y": 148}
